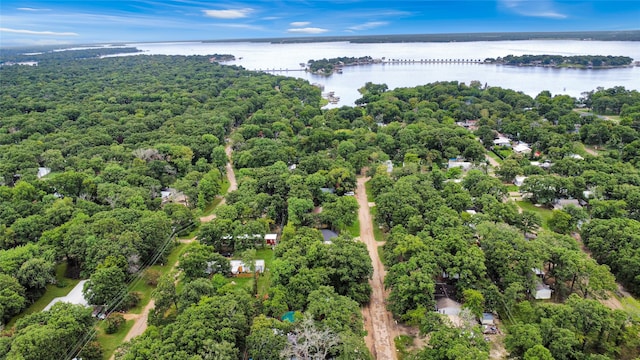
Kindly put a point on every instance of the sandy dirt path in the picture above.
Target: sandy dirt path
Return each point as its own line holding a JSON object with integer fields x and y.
{"x": 140, "y": 320}
{"x": 378, "y": 321}
{"x": 612, "y": 302}
{"x": 233, "y": 184}
{"x": 590, "y": 151}
{"x": 492, "y": 161}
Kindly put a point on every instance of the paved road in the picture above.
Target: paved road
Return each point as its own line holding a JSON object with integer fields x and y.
{"x": 379, "y": 323}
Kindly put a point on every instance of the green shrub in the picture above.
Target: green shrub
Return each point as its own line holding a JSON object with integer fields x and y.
{"x": 114, "y": 322}
{"x": 151, "y": 277}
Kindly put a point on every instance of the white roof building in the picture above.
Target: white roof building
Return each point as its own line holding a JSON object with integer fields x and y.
{"x": 502, "y": 141}
{"x": 560, "y": 204}
{"x": 464, "y": 165}
{"x": 519, "y": 180}
{"x": 271, "y": 237}
{"x": 75, "y": 296}
{"x": 43, "y": 171}
{"x": 238, "y": 267}
{"x": 542, "y": 291}
{"x": 522, "y": 148}
{"x": 389, "y": 164}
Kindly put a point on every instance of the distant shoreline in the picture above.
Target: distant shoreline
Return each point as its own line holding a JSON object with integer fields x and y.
{"x": 625, "y": 35}
{"x": 630, "y": 35}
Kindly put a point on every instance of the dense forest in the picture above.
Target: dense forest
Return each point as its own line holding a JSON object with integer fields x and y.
{"x": 116, "y": 133}
{"x": 583, "y": 61}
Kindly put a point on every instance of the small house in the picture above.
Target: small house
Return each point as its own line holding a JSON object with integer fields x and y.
{"x": 271, "y": 239}
{"x": 172, "y": 195}
{"x": 542, "y": 291}
{"x": 487, "y": 319}
{"x": 447, "y": 306}
{"x": 327, "y": 235}
{"x": 519, "y": 180}
{"x": 238, "y": 267}
{"x": 43, "y": 171}
{"x": 464, "y": 165}
{"x": 389, "y": 164}
{"x": 522, "y": 148}
{"x": 538, "y": 272}
{"x": 502, "y": 141}
{"x": 560, "y": 204}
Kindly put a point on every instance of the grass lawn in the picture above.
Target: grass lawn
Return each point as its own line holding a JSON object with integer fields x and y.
{"x": 144, "y": 289}
{"x": 544, "y": 213}
{"x": 377, "y": 233}
{"x": 264, "y": 279}
{"x": 403, "y": 342}
{"x": 53, "y": 291}
{"x": 494, "y": 157}
{"x": 110, "y": 342}
{"x": 224, "y": 188}
{"x": 354, "y": 229}
{"x": 505, "y": 152}
{"x": 367, "y": 187}
{"x": 632, "y": 306}
{"x": 512, "y": 188}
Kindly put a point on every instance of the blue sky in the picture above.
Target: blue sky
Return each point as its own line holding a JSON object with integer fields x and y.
{"x": 24, "y": 22}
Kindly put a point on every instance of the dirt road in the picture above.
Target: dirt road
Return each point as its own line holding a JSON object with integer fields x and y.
{"x": 233, "y": 184}
{"x": 140, "y": 320}
{"x": 492, "y": 161}
{"x": 379, "y": 323}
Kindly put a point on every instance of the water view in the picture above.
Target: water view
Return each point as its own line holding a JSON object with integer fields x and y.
{"x": 530, "y": 80}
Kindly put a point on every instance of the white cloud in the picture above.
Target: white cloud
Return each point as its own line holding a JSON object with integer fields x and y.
{"x": 539, "y": 8}
{"x": 241, "y": 26}
{"x": 368, "y": 25}
{"x": 31, "y": 9}
{"x": 31, "y": 32}
{"x": 307, "y": 30}
{"x": 299, "y": 23}
{"x": 229, "y": 13}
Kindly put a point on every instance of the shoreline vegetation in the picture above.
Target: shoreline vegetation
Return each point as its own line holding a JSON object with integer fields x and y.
{"x": 558, "y": 61}
{"x": 335, "y": 65}
{"x": 629, "y": 35}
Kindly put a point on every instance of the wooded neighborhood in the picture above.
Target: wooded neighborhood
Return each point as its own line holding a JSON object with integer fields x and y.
{"x": 135, "y": 201}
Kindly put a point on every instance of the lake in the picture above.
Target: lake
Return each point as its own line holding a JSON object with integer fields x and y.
{"x": 530, "y": 80}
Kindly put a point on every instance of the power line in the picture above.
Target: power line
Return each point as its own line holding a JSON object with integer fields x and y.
{"x": 115, "y": 302}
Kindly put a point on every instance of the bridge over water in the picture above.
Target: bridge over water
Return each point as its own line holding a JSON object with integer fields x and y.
{"x": 389, "y": 61}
